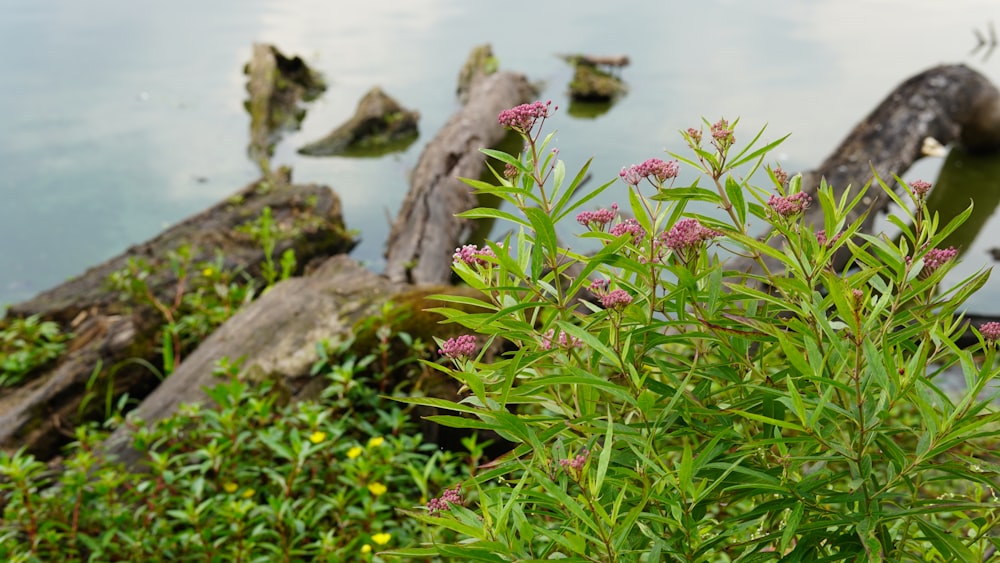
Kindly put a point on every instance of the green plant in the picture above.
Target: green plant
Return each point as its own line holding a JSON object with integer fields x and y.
{"x": 27, "y": 344}
{"x": 265, "y": 232}
{"x": 684, "y": 411}
{"x": 204, "y": 295}
{"x": 249, "y": 481}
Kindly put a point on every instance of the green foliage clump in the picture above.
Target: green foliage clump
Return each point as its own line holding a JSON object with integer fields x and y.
{"x": 685, "y": 410}
{"x": 248, "y": 481}
{"x": 204, "y": 295}
{"x": 27, "y": 344}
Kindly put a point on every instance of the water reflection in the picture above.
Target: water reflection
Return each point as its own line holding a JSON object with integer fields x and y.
{"x": 966, "y": 178}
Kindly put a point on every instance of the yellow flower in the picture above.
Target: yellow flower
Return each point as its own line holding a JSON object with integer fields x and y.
{"x": 248, "y": 493}
{"x": 377, "y": 489}
{"x": 208, "y": 272}
{"x": 382, "y": 538}
{"x": 366, "y": 548}
{"x": 354, "y": 452}
{"x": 230, "y": 487}
{"x": 317, "y": 437}
{"x": 375, "y": 442}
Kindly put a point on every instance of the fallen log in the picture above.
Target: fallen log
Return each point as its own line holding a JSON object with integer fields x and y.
{"x": 114, "y": 341}
{"x": 426, "y": 232}
{"x": 949, "y": 103}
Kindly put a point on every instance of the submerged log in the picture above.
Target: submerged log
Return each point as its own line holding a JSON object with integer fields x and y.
{"x": 113, "y": 345}
{"x": 426, "y": 231}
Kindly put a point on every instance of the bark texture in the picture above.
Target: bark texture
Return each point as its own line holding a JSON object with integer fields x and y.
{"x": 426, "y": 232}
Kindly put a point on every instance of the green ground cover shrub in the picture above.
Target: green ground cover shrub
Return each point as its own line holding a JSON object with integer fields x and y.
{"x": 250, "y": 481}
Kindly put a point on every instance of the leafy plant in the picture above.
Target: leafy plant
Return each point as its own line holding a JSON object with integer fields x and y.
{"x": 664, "y": 407}
{"x": 266, "y": 233}
{"x": 250, "y": 481}
{"x": 204, "y": 296}
{"x": 27, "y": 344}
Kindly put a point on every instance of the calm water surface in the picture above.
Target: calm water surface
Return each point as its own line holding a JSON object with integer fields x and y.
{"x": 121, "y": 118}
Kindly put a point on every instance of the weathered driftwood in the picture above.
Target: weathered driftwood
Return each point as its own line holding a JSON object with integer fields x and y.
{"x": 949, "y": 103}
{"x": 275, "y": 338}
{"x": 426, "y": 232}
{"x": 110, "y": 334}
{"x": 379, "y": 126}
{"x": 276, "y": 84}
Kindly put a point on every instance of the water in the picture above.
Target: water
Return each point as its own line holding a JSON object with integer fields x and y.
{"x": 121, "y": 118}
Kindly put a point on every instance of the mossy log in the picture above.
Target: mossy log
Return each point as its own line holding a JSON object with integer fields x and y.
{"x": 276, "y": 85}
{"x": 114, "y": 338}
{"x": 379, "y": 126}
{"x": 426, "y": 232}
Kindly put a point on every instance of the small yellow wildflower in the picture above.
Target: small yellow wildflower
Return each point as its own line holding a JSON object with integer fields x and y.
{"x": 354, "y": 452}
{"x": 376, "y": 442}
{"x": 317, "y": 437}
{"x": 248, "y": 493}
{"x": 377, "y": 488}
{"x": 208, "y": 272}
{"x": 382, "y": 538}
{"x": 230, "y": 487}
{"x": 366, "y": 548}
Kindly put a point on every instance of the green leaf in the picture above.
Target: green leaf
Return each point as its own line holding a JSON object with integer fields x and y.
{"x": 738, "y": 200}
{"x": 504, "y": 158}
{"x": 490, "y": 213}
{"x": 559, "y": 210}
{"x": 605, "y": 458}
{"x": 768, "y": 420}
{"x": 948, "y": 544}
{"x": 791, "y": 526}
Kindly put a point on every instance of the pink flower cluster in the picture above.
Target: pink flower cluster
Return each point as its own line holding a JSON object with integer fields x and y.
{"x": 629, "y": 227}
{"x": 463, "y": 346}
{"x": 695, "y": 135}
{"x": 653, "y": 167}
{"x": 786, "y": 206}
{"x": 599, "y": 287}
{"x": 990, "y": 331}
{"x": 523, "y": 117}
{"x": 597, "y": 219}
{"x": 722, "y": 134}
{"x": 616, "y": 299}
{"x": 920, "y": 188}
{"x": 473, "y": 255}
{"x": 780, "y": 175}
{"x": 444, "y": 502}
{"x": 576, "y": 462}
{"x": 687, "y": 233}
{"x": 937, "y": 257}
{"x": 822, "y": 240}
{"x": 934, "y": 259}
{"x": 563, "y": 340}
